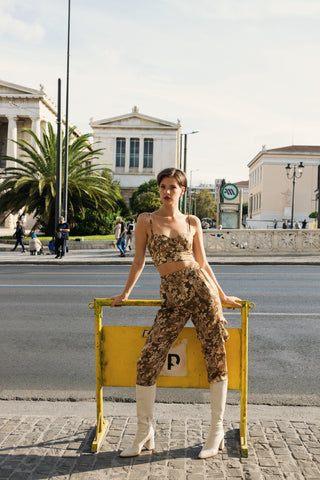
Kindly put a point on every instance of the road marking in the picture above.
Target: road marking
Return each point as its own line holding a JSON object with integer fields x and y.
{"x": 84, "y": 273}
{"x": 65, "y": 286}
{"x": 279, "y": 314}
{"x": 278, "y": 288}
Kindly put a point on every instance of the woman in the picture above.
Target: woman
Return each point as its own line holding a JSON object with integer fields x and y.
{"x": 188, "y": 289}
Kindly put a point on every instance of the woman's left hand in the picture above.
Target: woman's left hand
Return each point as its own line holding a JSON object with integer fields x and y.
{"x": 231, "y": 302}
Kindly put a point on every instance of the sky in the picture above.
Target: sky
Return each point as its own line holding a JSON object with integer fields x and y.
{"x": 243, "y": 73}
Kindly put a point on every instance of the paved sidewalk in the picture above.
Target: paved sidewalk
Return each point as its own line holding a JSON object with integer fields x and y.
{"x": 111, "y": 256}
{"x": 51, "y": 440}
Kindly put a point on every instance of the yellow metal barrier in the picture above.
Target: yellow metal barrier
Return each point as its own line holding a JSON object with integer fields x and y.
{"x": 118, "y": 349}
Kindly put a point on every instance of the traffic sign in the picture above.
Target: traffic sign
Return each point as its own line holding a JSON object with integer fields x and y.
{"x": 230, "y": 191}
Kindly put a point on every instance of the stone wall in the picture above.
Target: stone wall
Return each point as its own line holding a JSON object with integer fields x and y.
{"x": 262, "y": 242}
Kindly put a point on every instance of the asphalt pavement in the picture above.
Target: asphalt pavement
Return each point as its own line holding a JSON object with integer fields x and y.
{"x": 51, "y": 440}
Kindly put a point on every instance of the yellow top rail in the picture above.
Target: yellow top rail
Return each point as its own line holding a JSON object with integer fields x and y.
{"x": 106, "y": 302}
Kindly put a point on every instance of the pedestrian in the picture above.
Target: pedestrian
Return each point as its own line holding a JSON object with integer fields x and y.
{"x": 121, "y": 242}
{"x": 35, "y": 246}
{"x": 19, "y": 234}
{"x": 117, "y": 229}
{"x": 304, "y": 223}
{"x": 205, "y": 225}
{"x": 297, "y": 225}
{"x": 130, "y": 235}
{"x": 61, "y": 237}
{"x": 188, "y": 289}
{"x": 51, "y": 246}
{"x": 285, "y": 225}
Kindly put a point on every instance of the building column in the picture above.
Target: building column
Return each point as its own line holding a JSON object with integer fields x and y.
{"x": 12, "y": 148}
{"x": 127, "y": 159}
{"x": 141, "y": 155}
{"x": 36, "y": 128}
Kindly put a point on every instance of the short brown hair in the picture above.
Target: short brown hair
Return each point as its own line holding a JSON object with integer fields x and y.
{"x": 176, "y": 173}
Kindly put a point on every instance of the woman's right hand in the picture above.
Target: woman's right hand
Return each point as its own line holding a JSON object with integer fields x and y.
{"x": 117, "y": 299}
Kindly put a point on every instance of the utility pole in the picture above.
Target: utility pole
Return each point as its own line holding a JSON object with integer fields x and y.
{"x": 184, "y": 198}
{"x": 66, "y": 147}
{"x": 59, "y": 161}
{"x": 318, "y": 222}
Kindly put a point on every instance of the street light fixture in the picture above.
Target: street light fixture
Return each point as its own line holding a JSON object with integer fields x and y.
{"x": 292, "y": 176}
{"x": 184, "y": 202}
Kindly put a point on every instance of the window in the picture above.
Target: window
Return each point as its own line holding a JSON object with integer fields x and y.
{"x": 120, "y": 152}
{"x": 148, "y": 153}
{"x": 134, "y": 152}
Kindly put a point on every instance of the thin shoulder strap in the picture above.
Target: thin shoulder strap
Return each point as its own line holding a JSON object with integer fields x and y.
{"x": 150, "y": 223}
{"x": 189, "y": 223}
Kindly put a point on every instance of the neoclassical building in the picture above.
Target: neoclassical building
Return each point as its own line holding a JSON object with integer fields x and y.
{"x": 270, "y": 191}
{"x": 137, "y": 147}
{"x": 21, "y": 107}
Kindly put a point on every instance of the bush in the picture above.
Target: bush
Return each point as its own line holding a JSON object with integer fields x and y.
{"x": 146, "y": 198}
{"x": 94, "y": 223}
{"x": 313, "y": 215}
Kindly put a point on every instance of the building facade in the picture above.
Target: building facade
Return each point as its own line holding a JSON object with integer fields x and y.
{"x": 22, "y": 107}
{"x": 270, "y": 191}
{"x": 137, "y": 147}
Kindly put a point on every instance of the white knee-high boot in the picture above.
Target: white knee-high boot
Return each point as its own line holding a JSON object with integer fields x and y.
{"x": 145, "y": 397}
{"x": 215, "y": 441}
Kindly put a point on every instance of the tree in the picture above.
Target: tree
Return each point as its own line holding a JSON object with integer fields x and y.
{"x": 206, "y": 205}
{"x": 32, "y": 183}
{"x": 100, "y": 222}
{"x": 223, "y": 183}
{"x": 146, "y": 198}
{"x": 147, "y": 202}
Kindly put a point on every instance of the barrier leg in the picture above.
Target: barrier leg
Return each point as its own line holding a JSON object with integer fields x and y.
{"x": 102, "y": 424}
{"x": 244, "y": 379}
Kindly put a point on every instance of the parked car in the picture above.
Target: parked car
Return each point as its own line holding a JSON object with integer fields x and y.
{"x": 207, "y": 223}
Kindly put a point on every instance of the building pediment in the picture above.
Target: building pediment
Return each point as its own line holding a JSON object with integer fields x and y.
{"x": 134, "y": 120}
{"x": 11, "y": 89}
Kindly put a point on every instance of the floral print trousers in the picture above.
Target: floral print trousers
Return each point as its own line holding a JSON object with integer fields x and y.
{"x": 187, "y": 293}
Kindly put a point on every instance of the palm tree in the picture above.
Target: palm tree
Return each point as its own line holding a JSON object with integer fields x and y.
{"x": 31, "y": 185}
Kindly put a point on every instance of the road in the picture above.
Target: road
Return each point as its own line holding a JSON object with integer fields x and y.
{"x": 47, "y": 329}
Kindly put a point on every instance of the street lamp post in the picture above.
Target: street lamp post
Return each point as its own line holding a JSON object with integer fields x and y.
{"x": 66, "y": 148}
{"x": 58, "y": 162}
{"x": 190, "y": 188}
{"x": 292, "y": 176}
{"x": 318, "y": 198}
{"x": 184, "y": 202}
{"x": 250, "y": 201}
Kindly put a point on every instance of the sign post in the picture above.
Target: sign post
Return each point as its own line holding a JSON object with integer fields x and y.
{"x": 230, "y": 210}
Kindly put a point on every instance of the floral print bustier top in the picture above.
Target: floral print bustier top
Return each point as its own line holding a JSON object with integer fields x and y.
{"x": 165, "y": 249}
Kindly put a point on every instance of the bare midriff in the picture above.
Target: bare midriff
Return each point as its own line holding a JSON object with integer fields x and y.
{"x": 171, "y": 267}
